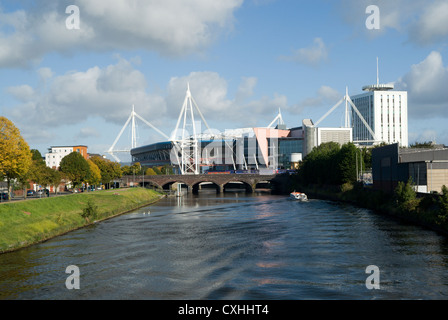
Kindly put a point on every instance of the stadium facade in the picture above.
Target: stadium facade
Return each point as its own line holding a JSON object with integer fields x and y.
{"x": 245, "y": 149}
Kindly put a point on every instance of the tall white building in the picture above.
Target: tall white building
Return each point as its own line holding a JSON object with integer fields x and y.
{"x": 386, "y": 112}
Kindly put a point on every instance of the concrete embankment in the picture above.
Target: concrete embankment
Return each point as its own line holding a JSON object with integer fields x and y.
{"x": 25, "y": 223}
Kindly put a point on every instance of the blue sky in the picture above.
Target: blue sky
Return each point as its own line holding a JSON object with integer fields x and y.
{"x": 243, "y": 59}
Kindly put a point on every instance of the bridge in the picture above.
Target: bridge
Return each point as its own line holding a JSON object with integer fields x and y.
{"x": 195, "y": 182}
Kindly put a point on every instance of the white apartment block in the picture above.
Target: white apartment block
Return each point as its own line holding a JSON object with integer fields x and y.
{"x": 386, "y": 112}
{"x": 54, "y": 156}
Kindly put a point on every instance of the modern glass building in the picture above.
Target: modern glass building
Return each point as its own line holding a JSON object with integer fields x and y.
{"x": 255, "y": 149}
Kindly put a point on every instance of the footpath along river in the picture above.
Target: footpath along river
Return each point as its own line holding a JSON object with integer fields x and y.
{"x": 235, "y": 246}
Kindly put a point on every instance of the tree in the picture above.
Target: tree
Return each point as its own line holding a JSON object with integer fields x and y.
{"x": 166, "y": 169}
{"x": 320, "y": 165}
{"x": 109, "y": 170}
{"x": 423, "y": 145}
{"x": 406, "y": 196}
{"x": 136, "y": 168}
{"x": 443, "y": 201}
{"x": 37, "y": 156}
{"x": 347, "y": 163}
{"x": 126, "y": 170}
{"x": 15, "y": 154}
{"x": 95, "y": 173}
{"x": 157, "y": 170}
{"x": 150, "y": 172}
{"x": 55, "y": 178}
{"x": 75, "y": 167}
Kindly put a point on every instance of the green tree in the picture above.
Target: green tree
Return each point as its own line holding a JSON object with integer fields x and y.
{"x": 76, "y": 168}
{"x": 320, "y": 165}
{"x": 15, "y": 154}
{"x": 95, "y": 174}
{"x": 37, "y": 156}
{"x": 150, "y": 172}
{"x": 405, "y": 196}
{"x": 423, "y": 145}
{"x": 136, "y": 168}
{"x": 348, "y": 155}
{"x": 367, "y": 158}
{"x": 443, "y": 201}
{"x": 109, "y": 170}
{"x": 126, "y": 170}
{"x": 55, "y": 178}
{"x": 167, "y": 170}
{"x": 157, "y": 170}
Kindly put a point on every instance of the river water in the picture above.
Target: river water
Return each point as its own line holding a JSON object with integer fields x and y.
{"x": 235, "y": 246}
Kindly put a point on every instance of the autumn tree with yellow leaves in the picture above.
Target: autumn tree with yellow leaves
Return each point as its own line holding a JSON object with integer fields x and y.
{"x": 15, "y": 154}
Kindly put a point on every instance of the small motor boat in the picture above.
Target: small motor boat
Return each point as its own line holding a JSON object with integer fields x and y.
{"x": 298, "y": 196}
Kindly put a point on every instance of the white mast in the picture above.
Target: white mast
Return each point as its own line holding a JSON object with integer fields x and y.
{"x": 188, "y": 144}
{"x": 348, "y": 103}
{"x": 377, "y": 73}
{"x": 131, "y": 120}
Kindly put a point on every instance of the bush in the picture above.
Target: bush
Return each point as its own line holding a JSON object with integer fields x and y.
{"x": 348, "y": 186}
{"x": 90, "y": 212}
{"x": 406, "y": 196}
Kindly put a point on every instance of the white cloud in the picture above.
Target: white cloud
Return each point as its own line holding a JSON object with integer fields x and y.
{"x": 246, "y": 88}
{"x": 426, "y": 84}
{"x": 74, "y": 97}
{"x": 169, "y": 27}
{"x": 425, "y": 22}
{"x": 210, "y": 91}
{"x": 22, "y": 93}
{"x": 313, "y": 55}
{"x": 325, "y": 96}
{"x": 88, "y": 132}
{"x": 433, "y": 24}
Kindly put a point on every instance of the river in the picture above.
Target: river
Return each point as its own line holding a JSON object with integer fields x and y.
{"x": 235, "y": 246}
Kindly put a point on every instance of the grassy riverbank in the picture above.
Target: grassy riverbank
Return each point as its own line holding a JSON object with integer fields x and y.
{"x": 424, "y": 211}
{"x": 24, "y": 223}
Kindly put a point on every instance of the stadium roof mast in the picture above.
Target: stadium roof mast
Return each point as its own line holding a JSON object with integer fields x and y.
{"x": 131, "y": 120}
{"x": 187, "y": 143}
{"x": 348, "y": 103}
{"x": 279, "y": 118}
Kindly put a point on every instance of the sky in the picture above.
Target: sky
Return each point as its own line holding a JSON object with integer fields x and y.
{"x": 70, "y": 71}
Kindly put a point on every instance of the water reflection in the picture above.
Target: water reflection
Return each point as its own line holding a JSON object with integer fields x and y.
{"x": 234, "y": 246}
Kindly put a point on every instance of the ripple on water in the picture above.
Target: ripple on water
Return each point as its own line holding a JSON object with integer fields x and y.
{"x": 234, "y": 247}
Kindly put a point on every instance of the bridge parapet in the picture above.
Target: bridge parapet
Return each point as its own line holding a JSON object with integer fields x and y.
{"x": 220, "y": 180}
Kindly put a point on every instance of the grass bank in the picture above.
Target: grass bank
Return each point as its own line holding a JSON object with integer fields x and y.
{"x": 24, "y": 223}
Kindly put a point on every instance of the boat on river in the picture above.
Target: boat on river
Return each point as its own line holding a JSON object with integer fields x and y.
{"x": 300, "y": 196}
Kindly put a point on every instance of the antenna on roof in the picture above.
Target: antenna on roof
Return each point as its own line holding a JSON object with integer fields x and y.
{"x": 377, "y": 73}
{"x": 378, "y": 86}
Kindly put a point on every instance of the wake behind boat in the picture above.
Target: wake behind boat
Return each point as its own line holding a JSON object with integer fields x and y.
{"x": 298, "y": 196}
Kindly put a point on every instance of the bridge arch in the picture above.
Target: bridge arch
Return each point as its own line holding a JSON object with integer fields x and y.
{"x": 245, "y": 185}
{"x": 263, "y": 184}
{"x": 150, "y": 183}
{"x": 168, "y": 185}
{"x": 197, "y": 185}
